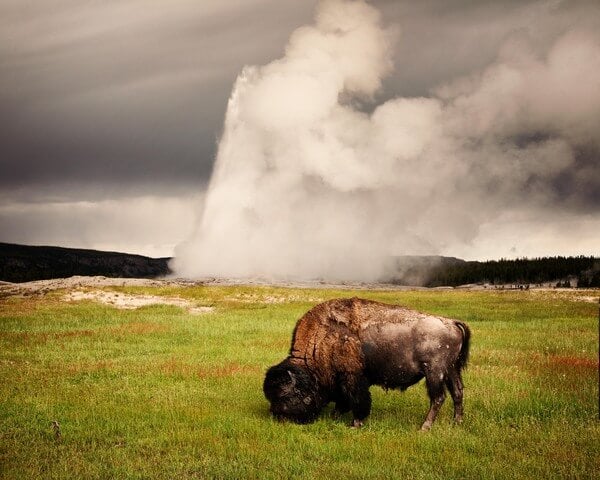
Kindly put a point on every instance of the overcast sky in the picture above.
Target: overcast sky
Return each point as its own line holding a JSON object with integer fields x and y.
{"x": 111, "y": 111}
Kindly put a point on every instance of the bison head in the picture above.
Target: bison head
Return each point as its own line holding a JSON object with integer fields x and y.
{"x": 293, "y": 393}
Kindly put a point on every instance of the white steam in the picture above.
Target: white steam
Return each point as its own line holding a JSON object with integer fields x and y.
{"x": 308, "y": 185}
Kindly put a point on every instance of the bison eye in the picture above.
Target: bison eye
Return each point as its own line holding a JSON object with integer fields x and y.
{"x": 307, "y": 400}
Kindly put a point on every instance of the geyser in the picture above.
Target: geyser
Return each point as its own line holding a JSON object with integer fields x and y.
{"x": 314, "y": 180}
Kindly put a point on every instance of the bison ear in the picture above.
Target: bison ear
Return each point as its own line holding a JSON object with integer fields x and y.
{"x": 292, "y": 377}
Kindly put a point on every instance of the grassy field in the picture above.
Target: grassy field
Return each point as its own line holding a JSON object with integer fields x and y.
{"x": 160, "y": 393}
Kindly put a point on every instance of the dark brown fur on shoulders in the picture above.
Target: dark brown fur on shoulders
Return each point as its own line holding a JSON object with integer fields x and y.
{"x": 326, "y": 339}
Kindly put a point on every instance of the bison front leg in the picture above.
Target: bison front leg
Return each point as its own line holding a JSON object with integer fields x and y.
{"x": 341, "y": 407}
{"x": 358, "y": 398}
{"x": 435, "y": 390}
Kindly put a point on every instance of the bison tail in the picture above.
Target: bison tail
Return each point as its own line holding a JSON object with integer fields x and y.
{"x": 463, "y": 356}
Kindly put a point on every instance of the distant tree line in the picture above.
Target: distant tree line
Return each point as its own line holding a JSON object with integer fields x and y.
{"x": 584, "y": 271}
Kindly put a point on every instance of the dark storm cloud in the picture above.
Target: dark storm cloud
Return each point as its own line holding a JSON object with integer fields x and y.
{"x": 128, "y": 91}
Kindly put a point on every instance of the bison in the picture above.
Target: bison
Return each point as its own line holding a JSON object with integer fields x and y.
{"x": 342, "y": 347}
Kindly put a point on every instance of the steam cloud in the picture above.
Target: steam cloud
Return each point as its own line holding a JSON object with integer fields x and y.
{"x": 313, "y": 180}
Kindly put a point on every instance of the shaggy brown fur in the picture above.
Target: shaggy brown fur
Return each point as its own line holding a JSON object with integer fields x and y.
{"x": 341, "y": 347}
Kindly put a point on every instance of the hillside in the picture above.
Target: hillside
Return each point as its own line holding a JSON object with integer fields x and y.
{"x": 23, "y": 263}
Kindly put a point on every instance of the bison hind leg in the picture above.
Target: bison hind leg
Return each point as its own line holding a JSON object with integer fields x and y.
{"x": 437, "y": 395}
{"x": 455, "y": 387}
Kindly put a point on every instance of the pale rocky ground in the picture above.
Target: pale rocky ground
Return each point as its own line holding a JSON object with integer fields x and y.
{"x": 127, "y": 301}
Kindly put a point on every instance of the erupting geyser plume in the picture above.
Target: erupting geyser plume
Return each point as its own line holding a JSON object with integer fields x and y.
{"x": 312, "y": 181}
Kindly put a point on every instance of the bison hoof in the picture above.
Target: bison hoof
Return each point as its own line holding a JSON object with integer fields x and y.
{"x": 425, "y": 428}
{"x": 356, "y": 423}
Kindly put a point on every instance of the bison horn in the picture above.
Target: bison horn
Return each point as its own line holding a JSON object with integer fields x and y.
{"x": 292, "y": 377}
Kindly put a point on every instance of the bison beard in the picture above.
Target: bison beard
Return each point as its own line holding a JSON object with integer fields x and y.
{"x": 342, "y": 347}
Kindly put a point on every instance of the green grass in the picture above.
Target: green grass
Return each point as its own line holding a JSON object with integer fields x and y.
{"x": 159, "y": 393}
